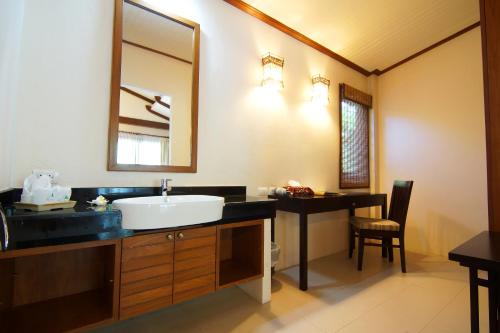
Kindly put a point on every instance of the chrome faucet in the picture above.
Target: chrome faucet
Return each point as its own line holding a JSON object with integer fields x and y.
{"x": 164, "y": 186}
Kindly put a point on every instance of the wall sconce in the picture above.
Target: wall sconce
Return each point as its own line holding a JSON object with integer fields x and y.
{"x": 272, "y": 71}
{"x": 320, "y": 89}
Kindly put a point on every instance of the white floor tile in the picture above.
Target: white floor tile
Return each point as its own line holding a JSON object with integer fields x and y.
{"x": 433, "y": 297}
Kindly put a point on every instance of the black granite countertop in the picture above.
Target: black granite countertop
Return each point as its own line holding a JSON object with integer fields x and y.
{"x": 85, "y": 223}
{"x": 80, "y": 210}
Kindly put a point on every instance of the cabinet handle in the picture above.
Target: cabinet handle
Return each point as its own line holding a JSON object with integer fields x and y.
{"x": 180, "y": 235}
{"x": 170, "y": 237}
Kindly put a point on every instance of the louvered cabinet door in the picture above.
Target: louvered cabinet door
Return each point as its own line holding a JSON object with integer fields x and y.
{"x": 146, "y": 273}
{"x": 194, "y": 263}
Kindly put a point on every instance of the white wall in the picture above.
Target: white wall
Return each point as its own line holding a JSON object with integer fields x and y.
{"x": 11, "y": 21}
{"x": 246, "y": 135}
{"x": 428, "y": 116}
{"x": 431, "y": 130}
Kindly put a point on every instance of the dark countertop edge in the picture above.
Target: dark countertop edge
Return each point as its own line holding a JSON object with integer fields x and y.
{"x": 102, "y": 236}
{"x": 320, "y": 197}
{"x": 81, "y": 211}
{"x": 253, "y": 200}
{"x": 84, "y": 209}
{"x": 122, "y": 234}
{"x": 199, "y": 225}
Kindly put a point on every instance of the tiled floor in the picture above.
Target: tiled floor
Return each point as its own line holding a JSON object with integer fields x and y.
{"x": 433, "y": 297}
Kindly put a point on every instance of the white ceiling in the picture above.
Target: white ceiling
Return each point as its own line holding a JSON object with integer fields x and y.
{"x": 374, "y": 34}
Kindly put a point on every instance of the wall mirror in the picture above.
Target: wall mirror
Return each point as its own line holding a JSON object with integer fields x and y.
{"x": 154, "y": 90}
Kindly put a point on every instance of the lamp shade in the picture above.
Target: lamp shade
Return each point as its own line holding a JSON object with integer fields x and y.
{"x": 320, "y": 89}
{"x": 272, "y": 71}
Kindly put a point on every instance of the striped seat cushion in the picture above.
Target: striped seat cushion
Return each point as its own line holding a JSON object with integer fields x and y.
{"x": 374, "y": 224}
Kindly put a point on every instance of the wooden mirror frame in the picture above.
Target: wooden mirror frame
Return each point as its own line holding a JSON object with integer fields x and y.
{"x": 114, "y": 113}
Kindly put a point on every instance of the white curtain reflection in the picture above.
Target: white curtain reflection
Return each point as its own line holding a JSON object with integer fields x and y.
{"x": 142, "y": 149}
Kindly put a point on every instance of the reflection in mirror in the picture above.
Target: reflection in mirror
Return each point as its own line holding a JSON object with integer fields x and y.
{"x": 156, "y": 102}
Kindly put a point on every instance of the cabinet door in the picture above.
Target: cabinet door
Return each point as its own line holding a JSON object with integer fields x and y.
{"x": 194, "y": 263}
{"x": 146, "y": 273}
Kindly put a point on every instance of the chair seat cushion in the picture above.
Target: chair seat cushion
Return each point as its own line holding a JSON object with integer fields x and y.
{"x": 374, "y": 224}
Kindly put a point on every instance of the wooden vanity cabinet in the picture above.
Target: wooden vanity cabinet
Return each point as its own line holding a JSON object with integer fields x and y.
{"x": 85, "y": 285}
{"x": 164, "y": 268}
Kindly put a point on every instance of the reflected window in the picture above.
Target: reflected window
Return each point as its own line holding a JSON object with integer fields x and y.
{"x": 134, "y": 148}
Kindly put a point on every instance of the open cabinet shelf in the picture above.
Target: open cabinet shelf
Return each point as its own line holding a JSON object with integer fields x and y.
{"x": 61, "y": 314}
{"x": 240, "y": 252}
{"x": 59, "y": 291}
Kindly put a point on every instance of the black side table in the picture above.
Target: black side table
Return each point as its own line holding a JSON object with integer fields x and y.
{"x": 482, "y": 253}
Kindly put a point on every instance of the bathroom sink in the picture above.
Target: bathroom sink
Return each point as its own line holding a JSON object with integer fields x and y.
{"x": 167, "y": 212}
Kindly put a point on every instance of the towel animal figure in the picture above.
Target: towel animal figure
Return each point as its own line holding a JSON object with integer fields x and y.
{"x": 41, "y": 188}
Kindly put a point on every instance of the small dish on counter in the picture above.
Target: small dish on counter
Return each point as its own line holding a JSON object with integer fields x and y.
{"x": 99, "y": 201}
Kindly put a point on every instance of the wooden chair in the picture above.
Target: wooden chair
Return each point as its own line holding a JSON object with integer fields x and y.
{"x": 384, "y": 229}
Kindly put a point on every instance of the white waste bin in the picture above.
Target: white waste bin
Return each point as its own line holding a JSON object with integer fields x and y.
{"x": 275, "y": 254}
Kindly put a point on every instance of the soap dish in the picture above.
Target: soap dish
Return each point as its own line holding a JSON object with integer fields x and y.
{"x": 45, "y": 207}
{"x": 96, "y": 203}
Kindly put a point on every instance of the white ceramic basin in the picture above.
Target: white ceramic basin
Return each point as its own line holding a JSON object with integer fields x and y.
{"x": 167, "y": 212}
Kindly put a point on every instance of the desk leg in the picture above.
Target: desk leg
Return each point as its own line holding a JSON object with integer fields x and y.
{"x": 474, "y": 302}
{"x": 273, "y": 222}
{"x": 352, "y": 234}
{"x": 385, "y": 250}
{"x": 492, "y": 301}
{"x": 303, "y": 251}
{"x": 498, "y": 300}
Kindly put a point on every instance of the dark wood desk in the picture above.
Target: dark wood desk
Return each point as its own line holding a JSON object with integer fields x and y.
{"x": 482, "y": 253}
{"x": 320, "y": 204}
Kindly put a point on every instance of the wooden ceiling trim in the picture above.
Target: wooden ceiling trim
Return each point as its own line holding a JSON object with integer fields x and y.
{"x": 156, "y": 51}
{"x": 158, "y": 99}
{"x": 136, "y": 94}
{"x": 143, "y": 123}
{"x": 144, "y": 98}
{"x": 295, "y": 34}
{"x": 150, "y": 109}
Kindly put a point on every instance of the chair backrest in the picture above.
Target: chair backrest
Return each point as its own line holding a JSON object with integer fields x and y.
{"x": 400, "y": 200}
